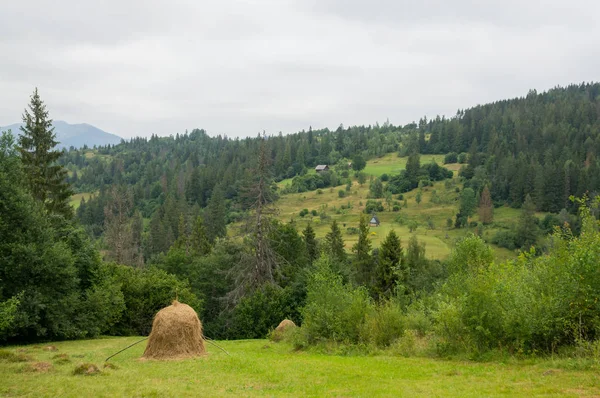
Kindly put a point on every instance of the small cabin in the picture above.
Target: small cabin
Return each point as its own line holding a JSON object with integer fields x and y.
{"x": 374, "y": 221}
{"x": 321, "y": 167}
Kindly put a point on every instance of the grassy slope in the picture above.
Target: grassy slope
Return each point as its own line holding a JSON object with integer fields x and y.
{"x": 76, "y": 199}
{"x": 438, "y": 241}
{"x": 262, "y": 368}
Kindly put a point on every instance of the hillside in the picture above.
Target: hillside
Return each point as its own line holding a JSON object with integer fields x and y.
{"x": 75, "y": 135}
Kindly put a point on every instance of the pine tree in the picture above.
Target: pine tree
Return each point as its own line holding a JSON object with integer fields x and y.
{"x": 311, "y": 243}
{"x": 214, "y": 215}
{"x": 363, "y": 262}
{"x": 390, "y": 268}
{"x": 198, "y": 242}
{"x": 486, "y": 210}
{"x": 47, "y": 180}
{"x": 334, "y": 243}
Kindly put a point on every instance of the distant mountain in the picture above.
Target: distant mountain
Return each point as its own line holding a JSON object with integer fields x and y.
{"x": 76, "y": 135}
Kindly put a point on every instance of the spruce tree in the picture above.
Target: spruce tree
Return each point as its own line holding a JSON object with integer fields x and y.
{"x": 390, "y": 268}
{"x": 363, "y": 262}
{"x": 46, "y": 179}
{"x": 311, "y": 243}
{"x": 214, "y": 215}
{"x": 335, "y": 244}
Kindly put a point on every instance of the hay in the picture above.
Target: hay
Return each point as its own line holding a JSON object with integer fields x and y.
{"x": 86, "y": 369}
{"x": 176, "y": 333}
{"x": 280, "y": 331}
{"x": 38, "y": 367}
{"x": 285, "y": 325}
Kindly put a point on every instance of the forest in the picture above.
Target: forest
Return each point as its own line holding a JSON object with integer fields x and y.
{"x": 95, "y": 240}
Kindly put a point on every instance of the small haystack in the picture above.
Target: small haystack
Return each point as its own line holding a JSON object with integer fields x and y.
{"x": 279, "y": 332}
{"x": 285, "y": 325}
{"x": 176, "y": 333}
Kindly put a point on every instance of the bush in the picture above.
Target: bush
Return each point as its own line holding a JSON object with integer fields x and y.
{"x": 334, "y": 311}
{"x": 396, "y": 208}
{"x": 257, "y": 314}
{"x": 146, "y": 291}
{"x": 506, "y": 239}
{"x": 319, "y": 192}
{"x": 383, "y": 325}
{"x": 384, "y": 177}
{"x": 462, "y": 158}
{"x": 341, "y": 193}
{"x": 314, "y": 213}
{"x": 303, "y": 212}
{"x": 352, "y": 231}
{"x": 451, "y": 157}
{"x": 373, "y": 206}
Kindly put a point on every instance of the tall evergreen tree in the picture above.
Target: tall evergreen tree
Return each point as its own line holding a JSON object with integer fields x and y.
{"x": 334, "y": 243}
{"x": 390, "y": 267}
{"x": 311, "y": 243}
{"x": 363, "y": 262}
{"x": 214, "y": 215}
{"x": 47, "y": 179}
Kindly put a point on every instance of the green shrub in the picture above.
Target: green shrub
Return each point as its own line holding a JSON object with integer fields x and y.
{"x": 383, "y": 324}
{"x": 334, "y": 311}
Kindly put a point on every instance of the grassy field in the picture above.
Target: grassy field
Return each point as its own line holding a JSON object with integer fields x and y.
{"x": 76, "y": 199}
{"x": 437, "y": 237}
{"x": 392, "y": 164}
{"x": 262, "y": 368}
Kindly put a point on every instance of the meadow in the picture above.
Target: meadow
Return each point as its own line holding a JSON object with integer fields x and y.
{"x": 431, "y": 218}
{"x": 264, "y": 368}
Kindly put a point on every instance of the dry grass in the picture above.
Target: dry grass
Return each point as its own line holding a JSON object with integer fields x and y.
{"x": 176, "y": 333}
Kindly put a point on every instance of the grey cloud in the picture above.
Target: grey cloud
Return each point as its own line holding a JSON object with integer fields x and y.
{"x": 240, "y": 67}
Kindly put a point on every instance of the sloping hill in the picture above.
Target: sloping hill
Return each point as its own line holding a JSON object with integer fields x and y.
{"x": 76, "y": 135}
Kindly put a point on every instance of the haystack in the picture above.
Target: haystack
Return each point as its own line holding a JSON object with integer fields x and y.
{"x": 176, "y": 333}
{"x": 279, "y": 333}
{"x": 285, "y": 325}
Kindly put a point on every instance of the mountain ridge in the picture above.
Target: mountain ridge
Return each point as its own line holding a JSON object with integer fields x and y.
{"x": 74, "y": 135}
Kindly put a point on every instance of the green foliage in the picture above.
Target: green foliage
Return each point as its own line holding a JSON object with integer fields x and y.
{"x": 333, "y": 311}
{"x": 373, "y": 206}
{"x": 362, "y": 261}
{"x": 261, "y": 311}
{"x": 358, "y": 163}
{"x": 334, "y": 244}
{"x": 376, "y": 188}
{"x": 145, "y": 291}
{"x": 390, "y": 268}
{"x": 383, "y": 325}
{"x": 45, "y": 178}
{"x": 533, "y": 304}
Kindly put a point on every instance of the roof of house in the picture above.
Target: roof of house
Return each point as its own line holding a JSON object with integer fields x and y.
{"x": 321, "y": 167}
{"x": 374, "y": 220}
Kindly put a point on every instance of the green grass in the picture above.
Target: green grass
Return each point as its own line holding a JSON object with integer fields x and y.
{"x": 76, "y": 199}
{"x": 392, "y": 164}
{"x": 262, "y": 368}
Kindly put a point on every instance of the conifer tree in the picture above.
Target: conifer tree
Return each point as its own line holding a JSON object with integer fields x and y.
{"x": 198, "y": 242}
{"x": 46, "y": 178}
{"x": 335, "y": 244}
{"x": 311, "y": 243}
{"x": 390, "y": 268}
{"x": 214, "y": 215}
{"x": 363, "y": 262}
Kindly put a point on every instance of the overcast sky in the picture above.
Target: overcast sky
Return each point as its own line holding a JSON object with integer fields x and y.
{"x": 239, "y": 67}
